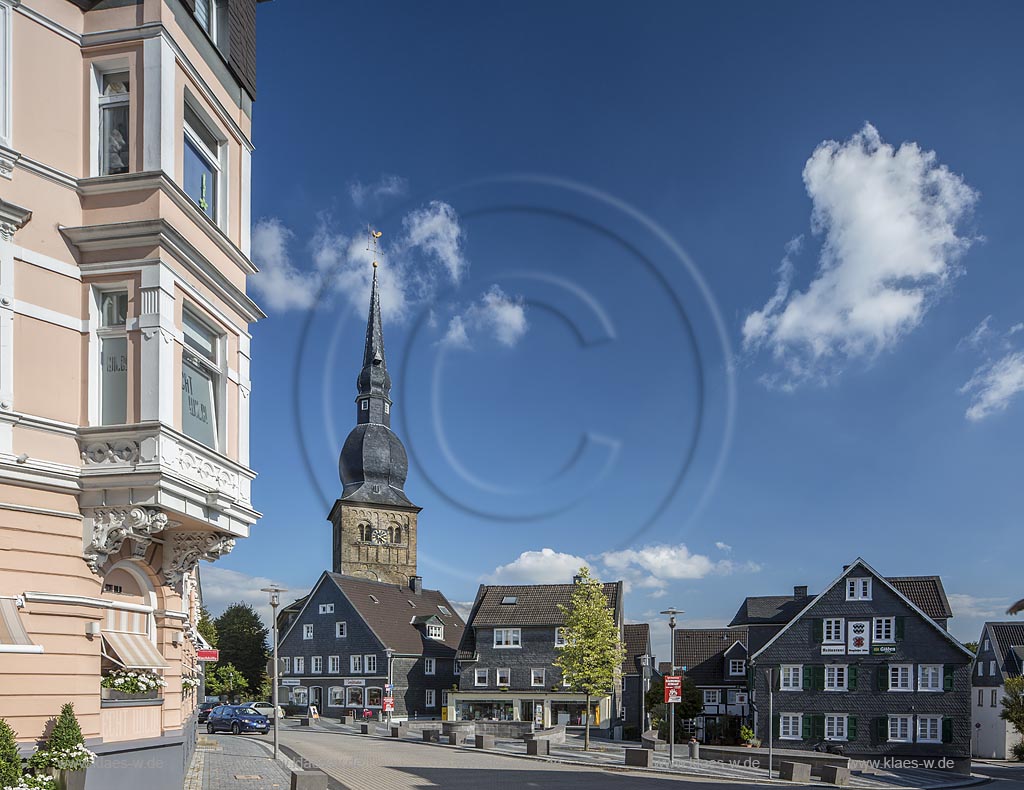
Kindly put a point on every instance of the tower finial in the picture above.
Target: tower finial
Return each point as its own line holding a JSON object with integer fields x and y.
{"x": 371, "y": 243}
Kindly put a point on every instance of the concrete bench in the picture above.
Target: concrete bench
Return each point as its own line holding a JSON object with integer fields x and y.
{"x": 347, "y": 720}
{"x": 309, "y": 780}
{"x": 364, "y": 729}
{"x": 640, "y": 758}
{"x": 432, "y": 736}
{"x": 484, "y": 741}
{"x": 835, "y": 775}
{"x": 650, "y": 740}
{"x": 538, "y": 747}
{"x": 794, "y": 772}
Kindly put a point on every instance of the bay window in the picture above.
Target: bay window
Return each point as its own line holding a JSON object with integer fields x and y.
{"x": 114, "y": 132}
{"x": 200, "y": 381}
{"x": 113, "y": 373}
{"x": 202, "y": 157}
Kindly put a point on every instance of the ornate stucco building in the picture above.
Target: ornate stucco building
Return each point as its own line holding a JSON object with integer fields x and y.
{"x": 125, "y": 161}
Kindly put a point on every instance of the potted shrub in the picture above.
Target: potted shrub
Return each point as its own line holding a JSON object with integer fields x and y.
{"x": 10, "y": 760}
{"x": 132, "y": 684}
{"x": 749, "y": 739}
{"x": 64, "y": 754}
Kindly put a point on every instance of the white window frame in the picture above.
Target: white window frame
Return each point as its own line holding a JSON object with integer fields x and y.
{"x": 300, "y": 665}
{"x": 858, "y": 588}
{"x": 481, "y": 677}
{"x": 429, "y": 666}
{"x": 924, "y": 724}
{"x": 101, "y": 333}
{"x": 340, "y": 629}
{"x": 218, "y": 159}
{"x": 992, "y": 668}
{"x": 883, "y": 629}
{"x": 533, "y": 677}
{"x": 351, "y": 692}
{"x": 791, "y": 677}
{"x": 833, "y": 631}
{"x": 511, "y": 638}
{"x": 791, "y": 726}
{"x": 300, "y": 695}
{"x": 904, "y": 677}
{"x": 505, "y": 672}
{"x": 435, "y": 631}
{"x": 333, "y": 665}
{"x": 994, "y": 699}
{"x": 832, "y": 675}
{"x": 370, "y": 663}
{"x": 732, "y": 666}
{"x": 833, "y": 722}
{"x": 6, "y": 41}
{"x": 115, "y": 65}
{"x": 287, "y": 668}
{"x": 327, "y": 608}
{"x": 712, "y": 697}
{"x": 216, "y": 368}
{"x": 307, "y": 631}
{"x": 430, "y": 698}
{"x": 931, "y": 671}
{"x": 559, "y": 637}
{"x": 355, "y": 664}
{"x": 902, "y": 732}
{"x": 986, "y": 645}
{"x": 316, "y": 665}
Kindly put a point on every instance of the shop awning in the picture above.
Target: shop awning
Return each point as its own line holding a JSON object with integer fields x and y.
{"x": 13, "y": 636}
{"x": 133, "y": 651}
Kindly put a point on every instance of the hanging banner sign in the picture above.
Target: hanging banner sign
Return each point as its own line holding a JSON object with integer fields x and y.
{"x": 208, "y": 655}
{"x": 858, "y": 638}
{"x": 389, "y": 705}
{"x": 673, "y": 688}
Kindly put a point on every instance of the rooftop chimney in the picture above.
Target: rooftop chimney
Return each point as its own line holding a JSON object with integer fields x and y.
{"x": 416, "y": 584}
{"x": 800, "y": 591}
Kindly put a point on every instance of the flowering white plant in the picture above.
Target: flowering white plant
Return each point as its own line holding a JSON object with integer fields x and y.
{"x": 74, "y": 758}
{"x": 132, "y": 681}
{"x": 33, "y": 782}
{"x": 190, "y": 683}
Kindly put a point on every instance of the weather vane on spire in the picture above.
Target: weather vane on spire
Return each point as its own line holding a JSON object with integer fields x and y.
{"x": 371, "y": 243}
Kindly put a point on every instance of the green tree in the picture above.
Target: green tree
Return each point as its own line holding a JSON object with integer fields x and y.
{"x": 972, "y": 646}
{"x": 207, "y": 627}
{"x": 10, "y": 760}
{"x": 226, "y": 680}
{"x": 242, "y": 641}
{"x": 592, "y": 655}
{"x": 1013, "y": 704}
{"x": 67, "y": 734}
{"x": 689, "y": 708}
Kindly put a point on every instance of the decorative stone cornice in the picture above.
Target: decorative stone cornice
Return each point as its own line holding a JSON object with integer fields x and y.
{"x": 12, "y": 218}
{"x": 111, "y": 527}
{"x": 184, "y": 549}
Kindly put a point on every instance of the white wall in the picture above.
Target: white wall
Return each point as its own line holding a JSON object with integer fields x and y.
{"x": 995, "y": 737}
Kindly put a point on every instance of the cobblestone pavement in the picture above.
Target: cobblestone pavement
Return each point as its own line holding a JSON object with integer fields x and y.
{"x": 228, "y": 762}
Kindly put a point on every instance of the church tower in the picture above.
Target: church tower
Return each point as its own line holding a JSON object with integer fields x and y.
{"x": 374, "y": 521}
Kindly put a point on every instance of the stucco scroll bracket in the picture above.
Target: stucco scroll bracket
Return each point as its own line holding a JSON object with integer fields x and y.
{"x": 111, "y": 527}
{"x": 183, "y": 550}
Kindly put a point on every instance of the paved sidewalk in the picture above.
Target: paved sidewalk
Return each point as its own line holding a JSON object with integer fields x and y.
{"x": 228, "y": 762}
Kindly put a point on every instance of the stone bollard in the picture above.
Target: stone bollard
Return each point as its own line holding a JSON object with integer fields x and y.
{"x": 432, "y": 736}
{"x": 304, "y": 721}
{"x": 397, "y": 731}
{"x": 694, "y": 749}
{"x": 538, "y": 747}
{"x": 835, "y": 775}
{"x": 309, "y": 780}
{"x": 484, "y": 741}
{"x": 640, "y": 758}
{"x": 346, "y": 720}
{"x": 364, "y": 729}
{"x": 795, "y": 772}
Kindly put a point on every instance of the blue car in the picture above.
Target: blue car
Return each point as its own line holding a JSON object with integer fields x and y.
{"x": 237, "y": 719}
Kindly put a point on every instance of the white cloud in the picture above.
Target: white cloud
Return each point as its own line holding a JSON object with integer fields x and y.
{"x": 994, "y": 385}
{"x": 463, "y": 608}
{"x": 435, "y": 229}
{"x": 280, "y": 284}
{"x": 979, "y": 336}
{"x": 384, "y": 187}
{"x": 723, "y": 546}
{"x": 546, "y": 566}
{"x": 222, "y": 587}
{"x": 966, "y": 605}
{"x": 494, "y": 312}
{"x": 889, "y": 218}
{"x": 654, "y": 566}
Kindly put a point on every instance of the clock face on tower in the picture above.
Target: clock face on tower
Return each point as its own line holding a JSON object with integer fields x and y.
{"x": 379, "y": 536}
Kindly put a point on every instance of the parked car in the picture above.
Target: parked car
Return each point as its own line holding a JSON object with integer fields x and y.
{"x": 204, "y": 710}
{"x": 237, "y": 719}
{"x": 267, "y": 709}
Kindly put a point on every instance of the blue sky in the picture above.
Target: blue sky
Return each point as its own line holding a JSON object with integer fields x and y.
{"x": 639, "y": 309}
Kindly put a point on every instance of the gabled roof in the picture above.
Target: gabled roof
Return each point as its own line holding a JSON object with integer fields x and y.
{"x": 702, "y": 651}
{"x": 637, "y": 637}
{"x": 769, "y": 609}
{"x": 1008, "y": 644}
{"x": 860, "y": 561}
{"x": 926, "y": 592}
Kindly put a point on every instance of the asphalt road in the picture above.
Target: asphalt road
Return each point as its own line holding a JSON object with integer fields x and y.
{"x": 1004, "y": 777}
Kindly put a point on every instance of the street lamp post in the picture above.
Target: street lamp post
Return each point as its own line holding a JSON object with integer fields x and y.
{"x": 770, "y": 674}
{"x": 672, "y": 706}
{"x": 645, "y": 682}
{"x": 275, "y": 601}
{"x": 390, "y": 654}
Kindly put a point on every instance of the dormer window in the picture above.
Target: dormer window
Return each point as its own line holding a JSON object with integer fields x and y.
{"x": 364, "y": 404}
{"x": 435, "y": 631}
{"x": 858, "y": 589}
{"x": 737, "y": 666}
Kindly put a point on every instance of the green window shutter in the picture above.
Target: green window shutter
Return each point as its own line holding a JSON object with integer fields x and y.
{"x": 947, "y": 730}
{"x": 948, "y": 677}
{"x": 851, "y": 728}
{"x": 899, "y": 629}
{"x": 818, "y": 630}
{"x": 775, "y": 725}
{"x": 819, "y": 725}
{"x": 881, "y": 727}
{"x": 819, "y": 680}
{"x": 883, "y": 677}
{"x": 851, "y": 678}
{"x": 806, "y": 728}
{"x": 808, "y": 677}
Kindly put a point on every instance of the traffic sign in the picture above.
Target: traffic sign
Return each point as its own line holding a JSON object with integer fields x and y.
{"x": 389, "y": 704}
{"x": 280, "y": 667}
{"x": 208, "y": 654}
{"x": 389, "y": 687}
{"x": 673, "y": 688}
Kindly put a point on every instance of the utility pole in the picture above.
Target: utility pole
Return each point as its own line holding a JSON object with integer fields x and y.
{"x": 275, "y": 601}
{"x": 672, "y": 706}
{"x": 770, "y": 674}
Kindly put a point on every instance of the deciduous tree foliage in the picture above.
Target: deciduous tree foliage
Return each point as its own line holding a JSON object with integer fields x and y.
{"x": 1013, "y": 704}
{"x": 207, "y": 627}
{"x": 242, "y": 641}
{"x": 691, "y": 706}
{"x": 225, "y": 680}
{"x": 592, "y": 655}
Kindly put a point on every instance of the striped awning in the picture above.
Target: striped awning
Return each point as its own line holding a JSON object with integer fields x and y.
{"x": 133, "y": 651}
{"x": 13, "y": 636}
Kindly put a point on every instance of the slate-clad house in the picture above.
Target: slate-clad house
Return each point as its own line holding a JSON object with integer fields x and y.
{"x": 507, "y": 659}
{"x": 636, "y": 677}
{"x": 337, "y": 646}
{"x": 869, "y": 663}
{"x": 1000, "y": 656}
{"x": 715, "y": 659}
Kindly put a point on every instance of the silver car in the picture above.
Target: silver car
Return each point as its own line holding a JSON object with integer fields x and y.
{"x": 267, "y": 709}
